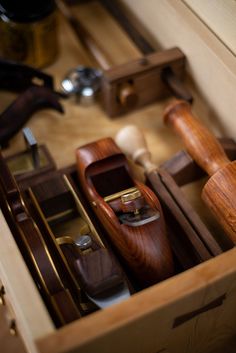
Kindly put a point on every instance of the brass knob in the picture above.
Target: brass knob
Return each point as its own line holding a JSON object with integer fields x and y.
{"x": 131, "y": 196}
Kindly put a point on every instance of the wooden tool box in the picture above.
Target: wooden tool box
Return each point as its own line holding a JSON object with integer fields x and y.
{"x": 193, "y": 311}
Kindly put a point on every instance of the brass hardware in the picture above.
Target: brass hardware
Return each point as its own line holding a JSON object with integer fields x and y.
{"x": 64, "y": 240}
{"x": 13, "y": 328}
{"x": 2, "y": 293}
{"x": 130, "y": 196}
{"x": 83, "y": 212}
{"x": 120, "y": 194}
{"x": 59, "y": 215}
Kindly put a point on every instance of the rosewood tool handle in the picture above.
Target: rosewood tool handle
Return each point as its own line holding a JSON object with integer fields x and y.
{"x": 132, "y": 141}
{"x": 201, "y": 144}
{"x": 220, "y": 190}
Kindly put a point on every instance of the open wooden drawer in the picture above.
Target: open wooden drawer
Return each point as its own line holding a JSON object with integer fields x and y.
{"x": 193, "y": 311}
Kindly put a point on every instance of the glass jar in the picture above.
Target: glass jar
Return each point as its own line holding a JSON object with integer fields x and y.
{"x": 28, "y": 31}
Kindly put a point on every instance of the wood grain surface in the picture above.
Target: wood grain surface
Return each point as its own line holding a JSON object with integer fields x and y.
{"x": 205, "y": 149}
{"x": 80, "y": 125}
{"x": 145, "y": 249}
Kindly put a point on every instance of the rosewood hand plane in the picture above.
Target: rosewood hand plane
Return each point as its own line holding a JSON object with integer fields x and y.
{"x": 129, "y": 211}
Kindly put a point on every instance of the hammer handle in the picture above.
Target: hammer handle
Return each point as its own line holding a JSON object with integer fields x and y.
{"x": 201, "y": 144}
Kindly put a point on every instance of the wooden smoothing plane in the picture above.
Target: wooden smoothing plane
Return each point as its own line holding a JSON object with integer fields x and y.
{"x": 129, "y": 211}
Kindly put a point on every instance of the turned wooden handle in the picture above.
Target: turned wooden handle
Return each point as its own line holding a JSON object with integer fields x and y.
{"x": 201, "y": 144}
{"x": 132, "y": 142}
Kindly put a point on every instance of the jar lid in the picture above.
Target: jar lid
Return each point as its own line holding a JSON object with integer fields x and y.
{"x": 26, "y": 11}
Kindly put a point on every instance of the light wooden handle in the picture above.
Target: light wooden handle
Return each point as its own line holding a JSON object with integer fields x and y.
{"x": 201, "y": 144}
{"x": 132, "y": 142}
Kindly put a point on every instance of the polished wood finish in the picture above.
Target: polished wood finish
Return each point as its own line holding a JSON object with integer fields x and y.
{"x": 129, "y": 24}
{"x": 90, "y": 272}
{"x": 43, "y": 265}
{"x": 219, "y": 191}
{"x": 145, "y": 76}
{"x": 98, "y": 272}
{"x": 144, "y": 323}
{"x": 139, "y": 82}
{"x": 184, "y": 169}
{"x": 132, "y": 141}
{"x": 144, "y": 249}
{"x": 53, "y": 197}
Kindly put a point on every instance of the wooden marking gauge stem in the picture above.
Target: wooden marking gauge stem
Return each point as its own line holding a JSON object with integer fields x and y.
{"x": 127, "y": 95}
{"x": 138, "y": 82}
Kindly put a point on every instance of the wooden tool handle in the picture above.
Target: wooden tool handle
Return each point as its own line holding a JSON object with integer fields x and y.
{"x": 132, "y": 142}
{"x": 201, "y": 144}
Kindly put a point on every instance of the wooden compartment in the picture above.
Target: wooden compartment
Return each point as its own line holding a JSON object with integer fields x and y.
{"x": 193, "y": 311}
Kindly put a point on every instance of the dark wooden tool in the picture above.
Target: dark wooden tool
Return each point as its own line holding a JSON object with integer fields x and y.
{"x": 145, "y": 76}
{"x": 129, "y": 211}
{"x": 126, "y": 95}
{"x": 43, "y": 266}
{"x": 17, "y": 114}
{"x": 132, "y": 141}
{"x": 136, "y": 83}
{"x": 91, "y": 265}
{"x": 95, "y": 269}
{"x": 16, "y": 77}
{"x": 219, "y": 192}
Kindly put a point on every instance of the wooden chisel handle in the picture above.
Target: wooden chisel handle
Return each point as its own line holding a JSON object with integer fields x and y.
{"x": 201, "y": 144}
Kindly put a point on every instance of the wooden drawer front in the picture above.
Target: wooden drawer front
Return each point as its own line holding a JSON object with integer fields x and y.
{"x": 10, "y": 337}
{"x": 195, "y": 311}
{"x": 22, "y": 301}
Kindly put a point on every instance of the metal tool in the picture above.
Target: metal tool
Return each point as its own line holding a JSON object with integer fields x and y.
{"x": 143, "y": 216}
{"x": 84, "y": 82}
{"x": 32, "y": 146}
{"x": 135, "y": 211}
